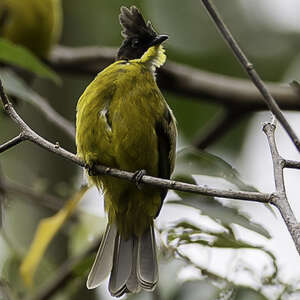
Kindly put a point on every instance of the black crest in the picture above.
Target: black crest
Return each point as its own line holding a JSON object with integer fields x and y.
{"x": 138, "y": 35}
{"x": 134, "y": 25}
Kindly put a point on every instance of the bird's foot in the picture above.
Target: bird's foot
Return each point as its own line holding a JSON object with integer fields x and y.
{"x": 91, "y": 169}
{"x": 137, "y": 178}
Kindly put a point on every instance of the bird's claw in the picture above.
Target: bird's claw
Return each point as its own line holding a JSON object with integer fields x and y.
{"x": 91, "y": 169}
{"x": 137, "y": 178}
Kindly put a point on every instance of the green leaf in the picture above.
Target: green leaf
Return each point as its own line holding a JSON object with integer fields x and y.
{"x": 191, "y": 161}
{"x": 188, "y": 233}
{"x": 21, "y": 57}
{"x": 44, "y": 234}
{"x": 246, "y": 293}
{"x": 223, "y": 214}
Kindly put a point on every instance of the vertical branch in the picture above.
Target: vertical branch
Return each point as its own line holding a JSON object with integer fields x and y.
{"x": 249, "y": 68}
{"x": 280, "y": 200}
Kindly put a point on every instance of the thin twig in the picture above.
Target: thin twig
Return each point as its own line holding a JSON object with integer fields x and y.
{"x": 13, "y": 142}
{"x": 291, "y": 164}
{"x": 32, "y": 136}
{"x": 217, "y": 127}
{"x": 270, "y": 101}
{"x": 181, "y": 79}
{"x": 281, "y": 201}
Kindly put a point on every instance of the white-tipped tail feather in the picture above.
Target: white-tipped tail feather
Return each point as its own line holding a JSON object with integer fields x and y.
{"x": 132, "y": 262}
{"x": 147, "y": 270}
{"x": 104, "y": 259}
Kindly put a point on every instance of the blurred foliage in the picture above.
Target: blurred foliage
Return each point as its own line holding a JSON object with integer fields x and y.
{"x": 19, "y": 56}
{"x": 45, "y": 232}
{"x": 194, "y": 41}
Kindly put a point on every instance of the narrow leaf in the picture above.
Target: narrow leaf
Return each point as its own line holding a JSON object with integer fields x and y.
{"x": 216, "y": 210}
{"x": 45, "y": 232}
{"x": 197, "y": 162}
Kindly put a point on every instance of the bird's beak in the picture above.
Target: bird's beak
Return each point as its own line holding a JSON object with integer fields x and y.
{"x": 158, "y": 40}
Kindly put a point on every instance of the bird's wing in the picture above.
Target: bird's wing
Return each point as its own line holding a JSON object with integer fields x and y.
{"x": 166, "y": 136}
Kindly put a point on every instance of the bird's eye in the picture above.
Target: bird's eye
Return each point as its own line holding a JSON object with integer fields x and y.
{"x": 135, "y": 43}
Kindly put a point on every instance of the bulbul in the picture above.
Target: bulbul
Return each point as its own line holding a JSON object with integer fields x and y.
{"x": 34, "y": 24}
{"x": 124, "y": 122}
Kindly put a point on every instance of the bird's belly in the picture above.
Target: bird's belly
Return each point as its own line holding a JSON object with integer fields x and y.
{"x": 136, "y": 145}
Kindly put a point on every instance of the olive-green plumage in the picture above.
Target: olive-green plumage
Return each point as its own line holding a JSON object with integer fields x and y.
{"x": 119, "y": 118}
{"x": 34, "y": 24}
{"x": 123, "y": 121}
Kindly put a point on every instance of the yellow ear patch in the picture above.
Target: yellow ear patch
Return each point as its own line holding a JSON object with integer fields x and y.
{"x": 154, "y": 57}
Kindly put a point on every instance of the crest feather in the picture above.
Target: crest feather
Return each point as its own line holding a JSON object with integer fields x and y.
{"x": 133, "y": 23}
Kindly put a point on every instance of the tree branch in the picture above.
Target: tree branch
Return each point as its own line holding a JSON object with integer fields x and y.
{"x": 180, "y": 79}
{"x": 13, "y": 142}
{"x": 291, "y": 164}
{"x": 32, "y": 136}
{"x": 281, "y": 201}
{"x": 249, "y": 68}
{"x": 283, "y": 206}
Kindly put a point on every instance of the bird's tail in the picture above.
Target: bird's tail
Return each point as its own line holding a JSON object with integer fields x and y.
{"x": 132, "y": 262}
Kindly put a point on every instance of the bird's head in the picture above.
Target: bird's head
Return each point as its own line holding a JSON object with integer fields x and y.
{"x": 138, "y": 36}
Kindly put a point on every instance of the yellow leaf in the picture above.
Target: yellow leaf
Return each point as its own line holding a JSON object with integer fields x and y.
{"x": 45, "y": 232}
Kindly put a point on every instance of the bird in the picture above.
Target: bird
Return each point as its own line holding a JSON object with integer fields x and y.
{"x": 33, "y": 24}
{"x": 124, "y": 122}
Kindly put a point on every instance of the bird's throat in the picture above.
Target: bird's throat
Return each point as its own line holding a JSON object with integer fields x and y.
{"x": 154, "y": 57}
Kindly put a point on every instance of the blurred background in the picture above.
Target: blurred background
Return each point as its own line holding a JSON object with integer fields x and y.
{"x": 256, "y": 258}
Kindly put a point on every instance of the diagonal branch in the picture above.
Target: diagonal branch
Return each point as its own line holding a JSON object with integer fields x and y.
{"x": 249, "y": 68}
{"x": 32, "y": 136}
{"x": 179, "y": 78}
{"x": 13, "y": 142}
